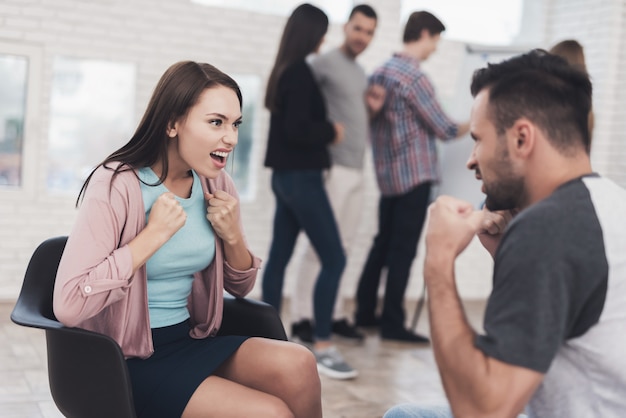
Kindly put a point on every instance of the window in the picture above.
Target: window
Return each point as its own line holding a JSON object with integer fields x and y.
{"x": 92, "y": 109}
{"x": 487, "y": 22}
{"x": 337, "y": 10}
{"x": 13, "y": 90}
{"x": 242, "y": 166}
{"x": 20, "y": 115}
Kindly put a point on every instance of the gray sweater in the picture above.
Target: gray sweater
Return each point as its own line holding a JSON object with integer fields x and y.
{"x": 343, "y": 83}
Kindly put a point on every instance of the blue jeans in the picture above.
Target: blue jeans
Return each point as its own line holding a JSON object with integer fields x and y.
{"x": 302, "y": 204}
{"x": 408, "y": 410}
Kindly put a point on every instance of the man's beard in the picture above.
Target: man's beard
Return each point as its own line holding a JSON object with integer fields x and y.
{"x": 505, "y": 194}
{"x": 508, "y": 191}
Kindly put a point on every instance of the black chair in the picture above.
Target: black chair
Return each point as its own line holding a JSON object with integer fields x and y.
{"x": 87, "y": 372}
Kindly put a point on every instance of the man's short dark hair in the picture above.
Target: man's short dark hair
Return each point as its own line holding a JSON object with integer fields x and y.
{"x": 543, "y": 88}
{"x": 364, "y": 9}
{"x": 417, "y": 22}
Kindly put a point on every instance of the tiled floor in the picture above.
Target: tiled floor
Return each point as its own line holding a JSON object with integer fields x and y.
{"x": 389, "y": 373}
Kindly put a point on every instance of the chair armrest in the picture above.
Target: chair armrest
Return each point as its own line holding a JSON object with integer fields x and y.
{"x": 24, "y": 317}
{"x": 88, "y": 374}
{"x": 252, "y": 318}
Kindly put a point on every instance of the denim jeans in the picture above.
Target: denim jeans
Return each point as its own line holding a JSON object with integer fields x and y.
{"x": 302, "y": 205}
{"x": 409, "y": 410}
{"x": 345, "y": 189}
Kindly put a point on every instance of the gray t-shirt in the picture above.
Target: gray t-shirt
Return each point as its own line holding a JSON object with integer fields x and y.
{"x": 343, "y": 83}
{"x": 558, "y": 304}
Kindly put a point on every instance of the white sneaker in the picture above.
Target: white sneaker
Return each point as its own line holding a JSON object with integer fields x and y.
{"x": 330, "y": 362}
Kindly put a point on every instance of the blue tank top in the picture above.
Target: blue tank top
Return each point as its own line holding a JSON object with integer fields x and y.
{"x": 191, "y": 249}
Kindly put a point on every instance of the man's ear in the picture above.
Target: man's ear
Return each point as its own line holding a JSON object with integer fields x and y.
{"x": 524, "y": 137}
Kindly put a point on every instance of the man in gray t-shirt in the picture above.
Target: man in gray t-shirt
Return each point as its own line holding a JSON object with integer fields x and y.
{"x": 343, "y": 83}
{"x": 554, "y": 340}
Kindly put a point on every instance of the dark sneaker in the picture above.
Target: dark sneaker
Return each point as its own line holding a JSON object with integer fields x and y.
{"x": 302, "y": 331}
{"x": 403, "y": 335}
{"x": 343, "y": 329}
{"x": 330, "y": 363}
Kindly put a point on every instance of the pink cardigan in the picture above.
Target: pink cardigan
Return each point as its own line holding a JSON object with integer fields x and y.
{"x": 95, "y": 288}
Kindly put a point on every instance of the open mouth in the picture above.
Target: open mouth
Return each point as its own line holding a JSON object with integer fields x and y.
{"x": 219, "y": 156}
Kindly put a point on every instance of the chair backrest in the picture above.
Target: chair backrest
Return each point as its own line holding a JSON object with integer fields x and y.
{"x": 252, "y": 318}
{"x": 87, "y": 372}
{"x": 34, "y": 304}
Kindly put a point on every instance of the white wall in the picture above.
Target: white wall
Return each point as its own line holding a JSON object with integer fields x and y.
{"x": 153, "y": 34}
{"x": 600, "y": 26}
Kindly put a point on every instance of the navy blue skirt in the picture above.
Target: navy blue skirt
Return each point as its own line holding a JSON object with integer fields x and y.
{"x": 164, "y": 382}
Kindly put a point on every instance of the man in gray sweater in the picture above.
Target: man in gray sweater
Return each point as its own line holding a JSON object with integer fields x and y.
{"x": 343, "y": 83}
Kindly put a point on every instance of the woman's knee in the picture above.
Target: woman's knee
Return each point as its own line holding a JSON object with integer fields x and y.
{"x": 277, "y": 408}
{"x": 304, "y": 359}
{"x": 300, "y": 361}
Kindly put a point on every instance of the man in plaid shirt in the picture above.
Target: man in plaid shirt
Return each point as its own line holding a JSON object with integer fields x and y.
{"x": 404, "y": 125}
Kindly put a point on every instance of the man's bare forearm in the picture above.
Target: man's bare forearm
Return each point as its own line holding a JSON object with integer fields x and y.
{"x": 476, "y": 385}
{"x": 462, "y": 366}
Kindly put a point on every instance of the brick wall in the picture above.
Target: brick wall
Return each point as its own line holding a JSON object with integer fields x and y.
{"x": 153, "y": 34}
{"x": 600, "y": 27}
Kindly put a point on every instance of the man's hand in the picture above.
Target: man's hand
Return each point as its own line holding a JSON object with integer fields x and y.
{"x": 339, "y": 133}
{"x": 375, "y": 99}
{"x": 492, "y": 228}
{"x": 452, "y": 223}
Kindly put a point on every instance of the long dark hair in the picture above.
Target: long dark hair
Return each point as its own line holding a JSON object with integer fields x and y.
{"x": 176, "y": 92}
{"x": 572, "y": 51}
{"x": 303, "y": 33}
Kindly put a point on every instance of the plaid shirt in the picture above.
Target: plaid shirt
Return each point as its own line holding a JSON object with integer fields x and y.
{"x": 403, "y": 134}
